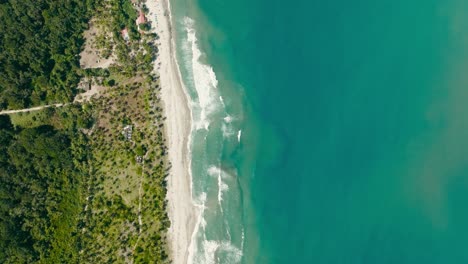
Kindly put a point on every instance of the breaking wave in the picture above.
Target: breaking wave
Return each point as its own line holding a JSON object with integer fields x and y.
{"x": 209, "y": 117}
{"x": 203, "y": 79}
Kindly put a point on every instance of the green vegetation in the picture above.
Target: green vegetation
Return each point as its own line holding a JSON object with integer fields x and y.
{"x": 145, "y": 26}
{"x": 41, "y": 179}
{"x": 109, "y": 19}
{"x": 39, "y": 41}
{"x": 126, "y": 218}
{"x": 75, "y": 186}
{"x": 61, "y": 118}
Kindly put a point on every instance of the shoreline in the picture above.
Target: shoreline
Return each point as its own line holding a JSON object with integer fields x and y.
{"x": 181, "y": 210}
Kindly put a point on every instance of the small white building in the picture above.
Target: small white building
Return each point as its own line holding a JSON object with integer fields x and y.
{"x": 127, "y": 132}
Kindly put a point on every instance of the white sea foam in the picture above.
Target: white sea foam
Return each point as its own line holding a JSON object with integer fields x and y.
{"x": 234, "y": 253}
{"x": 203, "y": 78}
{"x": 211, "y": 251}
{"x": 205, "y": 106}
{"x": 222, "y": 186}
{"x": 227, "y": 130}
{"x": 239, "y": 134}
{"x": 211, "y": 248}
{"x": 242, "y": 242}
{"x": 200, "y": 206}
{"x": 228, "y": 119}
{"x": 227, "y": 230}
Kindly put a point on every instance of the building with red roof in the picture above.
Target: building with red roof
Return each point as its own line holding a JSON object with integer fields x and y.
{"x": 141, "y": 18}
{"x": 125, "y": 35}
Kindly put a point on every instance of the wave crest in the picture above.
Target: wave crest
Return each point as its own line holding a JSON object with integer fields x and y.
{"x": 203, "y": 80}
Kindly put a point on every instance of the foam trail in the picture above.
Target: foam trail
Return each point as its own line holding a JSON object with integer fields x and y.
{"x": 227, "y": 127}
{"x": 227, "y": 131}
{"x": 242, "y": 242}
{"x": 239, "y": 134}
{"x": 207, "y": 106}
{"x": 211, "y": 248}
{"x": 204, "y": 80}
{"x": 200, "y": 223}
{"x": 222, "y": 187}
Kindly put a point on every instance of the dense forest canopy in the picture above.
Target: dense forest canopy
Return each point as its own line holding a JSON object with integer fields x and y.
{"x": 40, "y": 174}
{"x": 39, "y": 194}
{"x": 39, "y": 45}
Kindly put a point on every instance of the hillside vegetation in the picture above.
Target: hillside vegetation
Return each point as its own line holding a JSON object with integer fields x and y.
{"x": 84, "y": 182}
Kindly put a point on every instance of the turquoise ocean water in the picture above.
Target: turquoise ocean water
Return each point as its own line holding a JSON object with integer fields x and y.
{"x": 327, "y": 131}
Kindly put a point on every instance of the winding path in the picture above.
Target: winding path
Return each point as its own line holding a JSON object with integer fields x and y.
{"x": 36, "y": 108}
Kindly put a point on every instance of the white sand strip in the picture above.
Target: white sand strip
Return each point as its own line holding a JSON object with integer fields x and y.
{"x": 178, "y": 126}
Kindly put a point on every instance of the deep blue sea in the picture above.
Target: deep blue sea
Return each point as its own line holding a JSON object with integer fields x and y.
{"x": 327, "y": 131}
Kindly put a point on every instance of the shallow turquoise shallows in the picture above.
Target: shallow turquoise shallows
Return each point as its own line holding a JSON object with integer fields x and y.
{"x": 327, "y": 131}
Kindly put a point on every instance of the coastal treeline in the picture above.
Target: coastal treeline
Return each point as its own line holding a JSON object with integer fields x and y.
{"x": 40, "y": 41}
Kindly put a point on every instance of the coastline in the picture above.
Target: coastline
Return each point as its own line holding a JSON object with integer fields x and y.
{"x": 178, "y": 128}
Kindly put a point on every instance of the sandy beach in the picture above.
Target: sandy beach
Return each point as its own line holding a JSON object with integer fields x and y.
{"x": 178, "y": 125}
